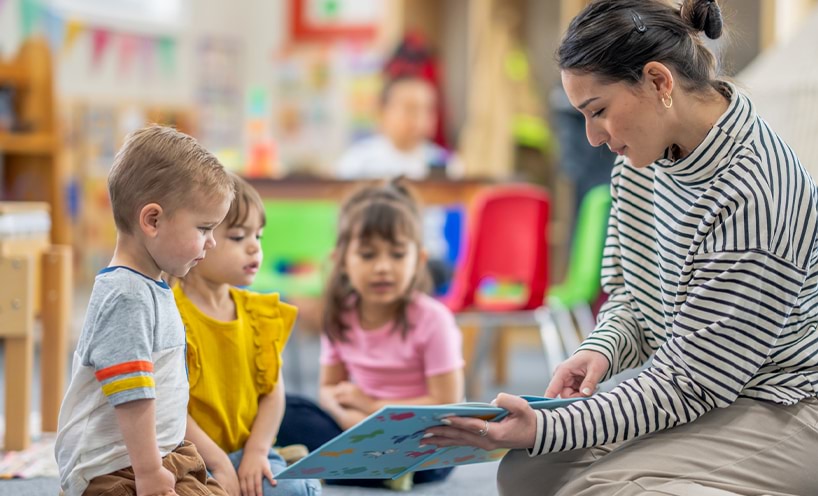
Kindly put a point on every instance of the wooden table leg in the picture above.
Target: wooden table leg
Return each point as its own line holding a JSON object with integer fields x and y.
{"x": 471, "y": 372}
{"x": 16, "y": 329}
{"x": 501, "y": 347}
{"x": 19, "y": 371}
{"x": 56, "y": 317}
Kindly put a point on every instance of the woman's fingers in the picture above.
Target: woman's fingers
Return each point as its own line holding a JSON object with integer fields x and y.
{"x": 557, "y": 384}
{"x": 443, "y": 436}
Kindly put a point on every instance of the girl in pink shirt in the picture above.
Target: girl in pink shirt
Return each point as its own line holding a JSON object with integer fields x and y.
{"x": 385, "y": 342}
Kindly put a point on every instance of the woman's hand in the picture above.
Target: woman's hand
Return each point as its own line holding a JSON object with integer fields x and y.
{"x": 225, "y": 475}
{"x": 516, "y": 431}
{"x": 578, "y": 376}
{"x": 350, "y": 395}
{"x": 253, "y": 467}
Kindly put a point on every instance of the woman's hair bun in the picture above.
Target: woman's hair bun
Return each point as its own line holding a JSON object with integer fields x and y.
{"x": 703, "y": 15}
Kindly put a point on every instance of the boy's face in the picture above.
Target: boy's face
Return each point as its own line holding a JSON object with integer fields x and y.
{"x": 182, "y": 238}
{"x": 408, "y": 114}
{"x": 237, "y": 256}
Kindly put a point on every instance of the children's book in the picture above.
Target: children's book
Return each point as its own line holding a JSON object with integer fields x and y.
{"x": 386, "y": 444}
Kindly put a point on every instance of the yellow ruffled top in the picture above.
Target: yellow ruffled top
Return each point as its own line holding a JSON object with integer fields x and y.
{"x": 232, "y": 364}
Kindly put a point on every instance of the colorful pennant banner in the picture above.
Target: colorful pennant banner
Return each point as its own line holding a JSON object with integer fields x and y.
{"x": 38, "y": 18}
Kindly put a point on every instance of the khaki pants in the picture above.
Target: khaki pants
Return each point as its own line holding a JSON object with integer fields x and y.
{"x": 184, "y": 462}
{"x": 749, "y": 448}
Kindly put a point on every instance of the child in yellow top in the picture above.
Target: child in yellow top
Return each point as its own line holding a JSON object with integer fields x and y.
{"x": 234, "y": 343}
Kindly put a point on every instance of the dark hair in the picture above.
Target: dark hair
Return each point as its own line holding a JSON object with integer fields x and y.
{"x": 386, "y": 210}
{"x": 390, "y": 84}
{"x": 615, "y": 39}
{"x": 245, "y": 197}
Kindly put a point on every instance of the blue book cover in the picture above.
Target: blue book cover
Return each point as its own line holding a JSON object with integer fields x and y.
{"x": 386, "y": 444}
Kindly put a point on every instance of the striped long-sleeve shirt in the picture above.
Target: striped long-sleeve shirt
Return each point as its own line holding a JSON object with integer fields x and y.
{"x": 710, "y": 263}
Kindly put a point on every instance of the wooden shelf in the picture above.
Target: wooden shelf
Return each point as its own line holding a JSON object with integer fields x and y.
{"x": 27, "y": 143}
{"x": 32, "y": 169}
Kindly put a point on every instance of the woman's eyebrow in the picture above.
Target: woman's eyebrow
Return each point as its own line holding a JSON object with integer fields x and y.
{"x": 586, "y": 102}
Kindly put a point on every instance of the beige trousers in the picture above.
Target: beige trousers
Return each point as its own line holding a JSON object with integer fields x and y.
{"x": 750, "y": 448}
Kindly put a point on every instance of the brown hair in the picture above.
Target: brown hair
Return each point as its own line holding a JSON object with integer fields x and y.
{"x": 615, "y": 39}
{"x": 386, "y": 210}
{"x": 245, "y": 197}
{"x": 159, "y": 164}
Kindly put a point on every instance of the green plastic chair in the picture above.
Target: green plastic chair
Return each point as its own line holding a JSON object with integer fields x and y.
{"x": 299, "y": 235}
{"x": 582, "y": 284}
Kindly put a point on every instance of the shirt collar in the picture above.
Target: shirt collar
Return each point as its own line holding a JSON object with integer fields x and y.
{"x": 712, "y": 154}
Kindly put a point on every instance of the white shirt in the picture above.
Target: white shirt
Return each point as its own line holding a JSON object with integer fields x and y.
{"x": 377, "y": 158}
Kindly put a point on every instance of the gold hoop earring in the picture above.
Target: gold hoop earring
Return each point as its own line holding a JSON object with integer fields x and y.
{"x": 667, "y": 101}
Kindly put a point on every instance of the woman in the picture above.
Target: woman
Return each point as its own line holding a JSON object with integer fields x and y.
{"x": 712, "y": 267}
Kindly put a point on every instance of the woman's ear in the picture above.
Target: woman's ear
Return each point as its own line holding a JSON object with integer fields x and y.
{"x": 149, "y": 217}
{"x": 659, "y": 78}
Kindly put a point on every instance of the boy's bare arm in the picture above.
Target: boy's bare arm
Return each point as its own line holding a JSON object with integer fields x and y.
{"x": 137, "y": 421}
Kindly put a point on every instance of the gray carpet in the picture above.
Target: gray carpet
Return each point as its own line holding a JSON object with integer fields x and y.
{"x": 469, "y": 480}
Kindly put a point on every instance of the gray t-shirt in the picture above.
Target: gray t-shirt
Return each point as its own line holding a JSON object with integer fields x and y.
{"x": 132, "y": 347}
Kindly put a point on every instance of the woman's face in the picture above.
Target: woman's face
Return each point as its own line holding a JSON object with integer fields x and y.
{"x": 626, "y": 118}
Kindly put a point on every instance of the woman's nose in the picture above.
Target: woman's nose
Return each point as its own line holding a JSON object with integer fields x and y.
{"x": 596, "y": 136}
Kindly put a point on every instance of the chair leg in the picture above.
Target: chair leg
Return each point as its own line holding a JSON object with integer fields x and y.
{"x": 552, "y": 344}
{"x": 585, "y": 319}
{"x": 567, "y": 329}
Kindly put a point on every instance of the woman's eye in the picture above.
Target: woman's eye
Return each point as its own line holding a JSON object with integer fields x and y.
{"x": 598, "y": 112}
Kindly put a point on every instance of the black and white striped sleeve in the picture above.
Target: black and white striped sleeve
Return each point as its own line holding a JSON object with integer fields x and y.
{"x": 724, "y": 328}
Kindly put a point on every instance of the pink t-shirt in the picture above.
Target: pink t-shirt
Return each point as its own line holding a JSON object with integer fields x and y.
{"x": 387, "y": 366}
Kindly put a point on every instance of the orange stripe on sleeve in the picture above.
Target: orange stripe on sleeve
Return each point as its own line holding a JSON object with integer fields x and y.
{"x": 124, "y": 368}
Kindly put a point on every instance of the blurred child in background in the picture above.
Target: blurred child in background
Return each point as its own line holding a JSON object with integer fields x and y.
{"x": 385, "y": 342}
{"x": 407, "y": 117}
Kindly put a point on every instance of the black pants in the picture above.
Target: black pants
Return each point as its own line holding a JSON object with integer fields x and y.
{"x": 306, "y": 423}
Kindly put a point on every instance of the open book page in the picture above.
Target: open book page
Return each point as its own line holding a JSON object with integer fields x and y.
{"x": 386, "y": 444}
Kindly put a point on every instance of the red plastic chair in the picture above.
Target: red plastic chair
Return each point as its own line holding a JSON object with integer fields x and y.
{"x": 506, "y": 241}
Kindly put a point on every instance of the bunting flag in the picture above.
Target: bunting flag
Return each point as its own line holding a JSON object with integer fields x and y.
{"x": 99, "y": 42}
{"x": 30, "y": 16}
{"x": 166, "y": 55}
{"x": 73, "y": 30}
{"x": 128, "y": 45}
{"x": 54, "y": 30}
{"x": 147, "y": 57}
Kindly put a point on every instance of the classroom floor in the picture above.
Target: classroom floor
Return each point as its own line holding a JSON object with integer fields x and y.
{"x": 526, "y": 375}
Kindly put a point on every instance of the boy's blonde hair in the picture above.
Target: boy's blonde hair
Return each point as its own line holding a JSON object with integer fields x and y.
{"x": 245, "y": 197}
{"x": 158, "y": 164}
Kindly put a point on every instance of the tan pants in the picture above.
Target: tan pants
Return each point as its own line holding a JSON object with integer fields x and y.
{"x": 184, "y": 462}
{"x": 750, "y": 448}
